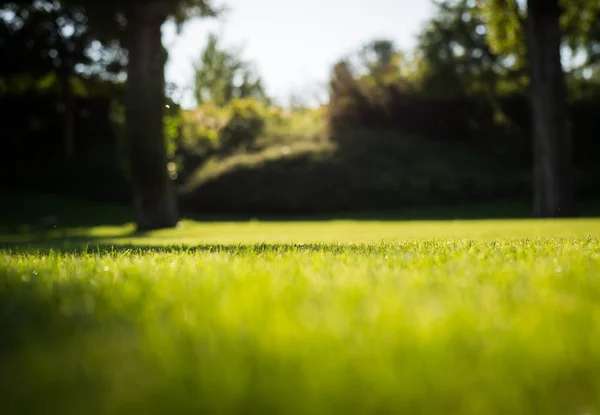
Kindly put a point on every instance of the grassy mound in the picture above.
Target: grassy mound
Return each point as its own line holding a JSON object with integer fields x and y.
{"x": 252, "y": 158}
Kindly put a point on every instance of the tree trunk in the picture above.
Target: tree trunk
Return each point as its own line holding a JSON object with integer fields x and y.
{"x": 553, "y": 171}
{"x": 153, "y": 194}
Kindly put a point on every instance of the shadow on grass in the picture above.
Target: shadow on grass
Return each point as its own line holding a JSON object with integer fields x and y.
{"x": 22, "y": 212}
{"x": 482, "y": 211}
{"x": 50, "y": 219}
{"x": 104, "y": 248}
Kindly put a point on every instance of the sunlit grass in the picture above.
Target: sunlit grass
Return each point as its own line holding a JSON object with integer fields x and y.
{"x": 490, "y": 317}
{"x": 334, "y": 231}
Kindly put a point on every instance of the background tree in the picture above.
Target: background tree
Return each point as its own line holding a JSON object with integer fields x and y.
{"x": 137, "y": 25}
{"x": 377, "y": 55}
{"x": 505, "y": 21}
{"x": 56, "y": 51}
{"x": 454, "y": 55}
{"x": 534, "y": 36}
{"x": 221, "y": 75}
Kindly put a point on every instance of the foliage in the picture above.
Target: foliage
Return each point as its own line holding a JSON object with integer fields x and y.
{"x": 505, "y": 23}
{"x": 109, "y": 17}
{"x": 466, "y": 82}
{"x": 42, "y": 40}
{"x": 221, "y": 76}
{"x": 305, "y": 318}
{"x": 481, "y": 45}
{"x": 505, "y": 20}
{"x": 239, "y": 124}
{"x": 353, "y": 170}
{"x": 363, "y": 84}
{"x": 216, "y": 126}
{"x": 454, "y": 53}
{"x": 31, "y": 156}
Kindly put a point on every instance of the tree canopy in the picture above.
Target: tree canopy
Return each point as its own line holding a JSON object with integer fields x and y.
{"x": 41, "y": 40}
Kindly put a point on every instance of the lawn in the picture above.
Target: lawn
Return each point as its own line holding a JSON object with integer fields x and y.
{"x": 321, "y": 317}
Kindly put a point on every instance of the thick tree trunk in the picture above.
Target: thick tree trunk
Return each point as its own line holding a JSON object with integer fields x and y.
{"x": 553, "y": 186}
{"x": 153, "y": 194}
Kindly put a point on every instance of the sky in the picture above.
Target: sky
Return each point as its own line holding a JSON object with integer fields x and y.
{"x": 293, "y": 44}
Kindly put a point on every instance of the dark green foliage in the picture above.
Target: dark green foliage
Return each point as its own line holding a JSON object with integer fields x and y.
{"x": 42, "y": 38}
{"x": 364, "y": 171}
{"x": 32, "y": 153}
{"x": 460, "y": 90}
{"x": 455, "y": 55}
{"x": 56, "y": 86}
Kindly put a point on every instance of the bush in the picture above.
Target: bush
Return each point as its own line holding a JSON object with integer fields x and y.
{"x": 209, "y": 130}
{"x": 498, "y": 124}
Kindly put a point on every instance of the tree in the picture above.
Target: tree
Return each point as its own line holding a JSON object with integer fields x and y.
{"x": 53, "y": 44}
{"x": 456, "y": 57}
{"x": 377, "y": 55}
{"x": 221, "y": 75}
{"x": 137, "y": 24}
{"x": 553, "y": 165}
{"x": 535, "y": 35}
{"x": 579, "y": 20}
{"x": 519, "y": 44}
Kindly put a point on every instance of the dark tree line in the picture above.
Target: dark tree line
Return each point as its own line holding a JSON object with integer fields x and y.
{"x": 472, "y": 58}
{"x": 75, "y": 40}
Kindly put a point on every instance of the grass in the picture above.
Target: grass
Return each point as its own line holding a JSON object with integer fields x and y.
{"x": 328, "y": 317}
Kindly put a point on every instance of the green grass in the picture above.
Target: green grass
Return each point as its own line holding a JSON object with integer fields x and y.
{"x": 340, "y": 317}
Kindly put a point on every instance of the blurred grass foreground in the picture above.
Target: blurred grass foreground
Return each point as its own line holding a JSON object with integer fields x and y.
{"x": 312, "y": 317}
